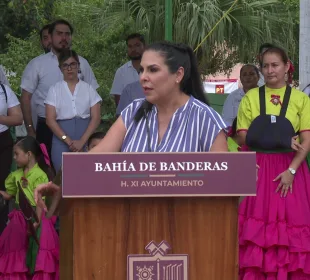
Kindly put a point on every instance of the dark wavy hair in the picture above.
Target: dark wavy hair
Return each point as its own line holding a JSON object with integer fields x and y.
{"x": 66, "y": 54}
{"x": 53, "y": 25}
{"x": 281, "y": 52}
{"x": 176, "y": 56}
{"x": 250, "y": 65}
{"x": 97, "y": 135}
{"x": 138, "y": 36}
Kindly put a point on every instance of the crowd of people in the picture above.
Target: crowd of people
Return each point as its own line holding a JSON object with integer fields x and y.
{"x": 161, "y": 107}
{"x": 60, "y": 109}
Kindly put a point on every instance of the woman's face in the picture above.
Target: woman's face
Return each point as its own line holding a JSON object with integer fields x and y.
{"x": 274, "y": 70}
{"x": 70, "y": 69}
{"x": 249, "y": 77}
{"x": 156, "y": 80}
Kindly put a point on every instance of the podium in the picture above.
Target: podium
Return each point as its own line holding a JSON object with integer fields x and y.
{"x": 103, "y": 221}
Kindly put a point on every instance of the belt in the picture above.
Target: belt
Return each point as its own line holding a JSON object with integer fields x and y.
{"x": 280, "y": 151}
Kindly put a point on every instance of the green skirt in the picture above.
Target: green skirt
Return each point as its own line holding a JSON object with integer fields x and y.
{"x": 33, "y": 248}
{"x": 32, "y": 252}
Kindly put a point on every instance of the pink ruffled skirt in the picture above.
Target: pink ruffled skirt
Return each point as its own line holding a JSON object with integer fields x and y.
{"x": 13, "y": 250}
{"x": 274, "y": 232}
{"x": 47, "y": 262}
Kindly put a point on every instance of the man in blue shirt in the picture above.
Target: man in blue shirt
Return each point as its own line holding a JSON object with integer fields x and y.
{"x": 131, "y": 92}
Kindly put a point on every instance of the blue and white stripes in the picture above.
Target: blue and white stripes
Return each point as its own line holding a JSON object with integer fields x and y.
{"x": 193, "y": 128}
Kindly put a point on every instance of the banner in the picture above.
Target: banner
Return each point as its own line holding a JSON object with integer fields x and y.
{"x": 159, "y": 174}
{"x": 220, "y": 86}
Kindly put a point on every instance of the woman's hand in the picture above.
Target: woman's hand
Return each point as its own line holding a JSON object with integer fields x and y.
{"x": 295, "y": 145}
{"x": 43, "y": 190}
{"x": 68, "y": 141}
{"x": 36, "y": 225}
{"x": 74, "y": 145}
{"x": 5, "y": 195}
{"x": 77, "y": 146}
{"x": 286, "y": 183}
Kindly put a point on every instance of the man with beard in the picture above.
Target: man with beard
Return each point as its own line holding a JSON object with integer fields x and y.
{"x": 129, "y": 72}
{"x": 43, "y": 72}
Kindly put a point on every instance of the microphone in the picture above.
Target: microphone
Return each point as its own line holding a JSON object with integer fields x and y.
{"x": 146, "y": 108}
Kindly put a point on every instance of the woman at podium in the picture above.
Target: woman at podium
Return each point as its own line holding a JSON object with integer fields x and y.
{"x": 174, "y": 116}
{"x": 274, "y": 226}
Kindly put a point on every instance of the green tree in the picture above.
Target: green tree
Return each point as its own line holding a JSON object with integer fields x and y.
{"x": 20, "y": 17}
{"x": 102, "y": 26}
{"x": 292, "y": 7}
{"x": 104, "y": 50}
{"x": 34, "y": 12}
{"x": 236, "y": 38}
{"x": 19, "y": 53}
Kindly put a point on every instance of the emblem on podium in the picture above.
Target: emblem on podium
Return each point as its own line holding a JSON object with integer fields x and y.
{"x": 158, "y": 265}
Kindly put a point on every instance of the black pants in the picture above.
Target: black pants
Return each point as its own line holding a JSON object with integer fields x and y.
{"x": 44, "y": 134}
{"x": 6, "y": 157}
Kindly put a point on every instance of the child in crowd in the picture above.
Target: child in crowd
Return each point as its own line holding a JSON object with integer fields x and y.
{"x": 94, "y": 139}
{"x": 20, "y": 256}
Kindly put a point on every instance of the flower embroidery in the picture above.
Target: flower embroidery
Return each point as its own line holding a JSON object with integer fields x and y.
{"x": 275, "y": 100}
{"x": 24, "y": 182}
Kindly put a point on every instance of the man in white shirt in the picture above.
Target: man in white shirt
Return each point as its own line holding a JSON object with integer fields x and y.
{"x": 129, "y": 72}
{"x": 46, "y": 42}
{"x": 43, "y": 72}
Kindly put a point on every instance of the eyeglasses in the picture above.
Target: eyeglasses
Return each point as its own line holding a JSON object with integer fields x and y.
{"x": 72, "y": 65}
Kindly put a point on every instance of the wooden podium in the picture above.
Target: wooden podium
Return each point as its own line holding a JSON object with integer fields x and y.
{"x": 98, "y": 233}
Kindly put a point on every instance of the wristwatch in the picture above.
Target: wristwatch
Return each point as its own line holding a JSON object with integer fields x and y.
{"x": 64, "y": 137}
{"x": 292, "y": 171}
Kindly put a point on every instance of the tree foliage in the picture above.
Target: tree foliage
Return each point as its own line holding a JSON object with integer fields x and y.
{"x": 102, "y": 26}
{"x": 19, "y": 53}
{"x": 236, "y": 38}
{"x": 104, "y": 50}
{"x": 292, "y": 7}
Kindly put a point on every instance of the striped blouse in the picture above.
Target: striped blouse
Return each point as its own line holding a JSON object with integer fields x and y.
{"x": 192, "y": 128}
